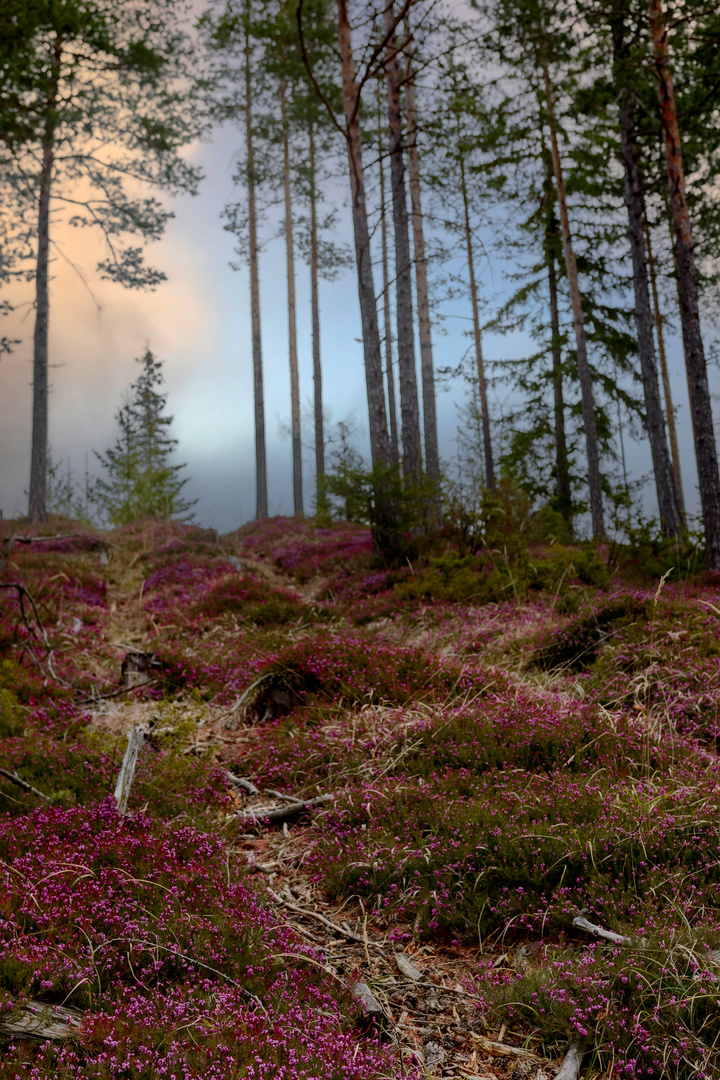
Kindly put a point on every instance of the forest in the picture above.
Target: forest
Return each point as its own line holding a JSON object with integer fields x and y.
{"x": 568, "y": 149}
{"x": 421, "y": 780}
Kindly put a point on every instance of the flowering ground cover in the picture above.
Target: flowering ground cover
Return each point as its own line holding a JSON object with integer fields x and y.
{"x": 509, "y": 742}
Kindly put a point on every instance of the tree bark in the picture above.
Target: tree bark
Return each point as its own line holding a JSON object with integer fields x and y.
{"x": 670, "y": 515}
{"x": 292, "y": 328}
{"x": 387, "y": 325}
{"x": 409, "y": 411}
{"x": 432, "y": 457}
{"x": 261, "y": 510}
{"x": 588, "y": 400}
{"x": 379, "y": 443}
{"x": 562, "y": 465}
{"x": 315, "y": 305}
{"x": 667, "y": 390}
{"x": 704, "y": 434}
{"x": 37, "y": 509}
{"x": 482, "y": 385}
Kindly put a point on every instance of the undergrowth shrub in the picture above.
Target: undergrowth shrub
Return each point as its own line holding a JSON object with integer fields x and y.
{"x": 575, "y": 644}
{"x": 350, "y": 669}
{"x": 181, "y": 972}
{"x": 254, "y": 601}
{"x": 649, "y": 1009}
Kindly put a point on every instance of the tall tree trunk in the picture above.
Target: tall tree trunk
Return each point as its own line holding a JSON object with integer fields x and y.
{"x": 387, "y": 325}
{"x": 667, "y": 389}
{"x": 562, "y": 465}
{"x": 621, "y": 432}
{"x": 37, "y": 509}
{"x": 482, "y": 385}
{"x": 670, "y": 515}
{"x": 261, "y": 510}
{"x": 409, "y": 411}
{"x": 292, "y": 328}
{"x": 379, "y": 442}
{"x": 432, "y": 457}
{"x": 315, "y": 305}
{"x": 705, "y": 449}
{"x": 588, "y": 400}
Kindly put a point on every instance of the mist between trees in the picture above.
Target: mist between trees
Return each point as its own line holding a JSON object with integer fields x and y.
{"x": 571, "y": 147}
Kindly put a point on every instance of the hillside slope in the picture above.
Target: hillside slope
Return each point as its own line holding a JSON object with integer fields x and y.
{"x": 515, "y": 844}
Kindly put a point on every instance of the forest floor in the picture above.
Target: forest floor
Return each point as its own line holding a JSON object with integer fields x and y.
{"x": 515, "y": 848}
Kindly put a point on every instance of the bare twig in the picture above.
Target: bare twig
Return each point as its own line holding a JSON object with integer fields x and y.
{"x": 279, "y": 795}
{"x": 13, "y": 776}
{"x": 284, "y": 813}
{"x": 598, "y": 931}
{"x": 320, "y": 918}
{"x": 116, "y": 693}
{"x": 242, "y": 782}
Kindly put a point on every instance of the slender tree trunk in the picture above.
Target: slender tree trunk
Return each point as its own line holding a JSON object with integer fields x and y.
{"x": 621, "y": 432}
{"x": 670, "y": 515}
{"x": 379, "y": 442}
{"x": 588, "y": 400}
{"x": 705, "y": 449}
{"x": 292, "y": 328}
{"x": 482, "y": 385}
{"x": 667, "y": 390}
{"x": 562, "y": 466}
{"x": 409, "y": 412}
{"x": 387, "y": 324}
{"x": 259, "y": 398}
{"x": 37, "y": 510}
{"x": 432, "y": 457}
{"x": 315, "y": 304}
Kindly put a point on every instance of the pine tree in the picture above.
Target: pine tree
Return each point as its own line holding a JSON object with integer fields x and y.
{"x": 236, "y": 83}
{"x": 703, "y": 430}
{"x": 141, "y": 480}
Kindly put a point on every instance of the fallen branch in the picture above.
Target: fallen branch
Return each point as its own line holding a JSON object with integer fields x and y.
{"x": 279, "y": 795}
{"x": 22, "y": 783}
{"x": 284, "y": 813}
{"x": 498, "y": 1049}
{"x": 136, "y": 738}
{"x": 599, "y": 932}
{"x": 37, "y": 1021}
{"x": 244, "y": 783}
{"x": 94, "y": 540}
{"x": 241, "y": 782}
{"x": 320, "y": 918}
{"x": 571, "y": 1062}
{"x": 115, "y": 693}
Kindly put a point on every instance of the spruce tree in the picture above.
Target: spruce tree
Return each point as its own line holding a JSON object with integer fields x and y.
{"x": 142, "y": 481}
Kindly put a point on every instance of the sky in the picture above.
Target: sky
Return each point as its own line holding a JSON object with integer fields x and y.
{"x": 198, "y": 324}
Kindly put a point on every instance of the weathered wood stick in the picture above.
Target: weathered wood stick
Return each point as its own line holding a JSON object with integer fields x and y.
{"x": 571, "y": 1062}
{"x": 320, "y": 918}
{"x": 279, "y": 795}
{"x": 241, "y": 782}
{"x": 37, "y": 1021}
{"x": 22, "y": 783}
{"x": 136, "y": 738}
{"x": 284, "y": 813}
{"x": 498, "y": 1049}
{"x": 598, "y": 931}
